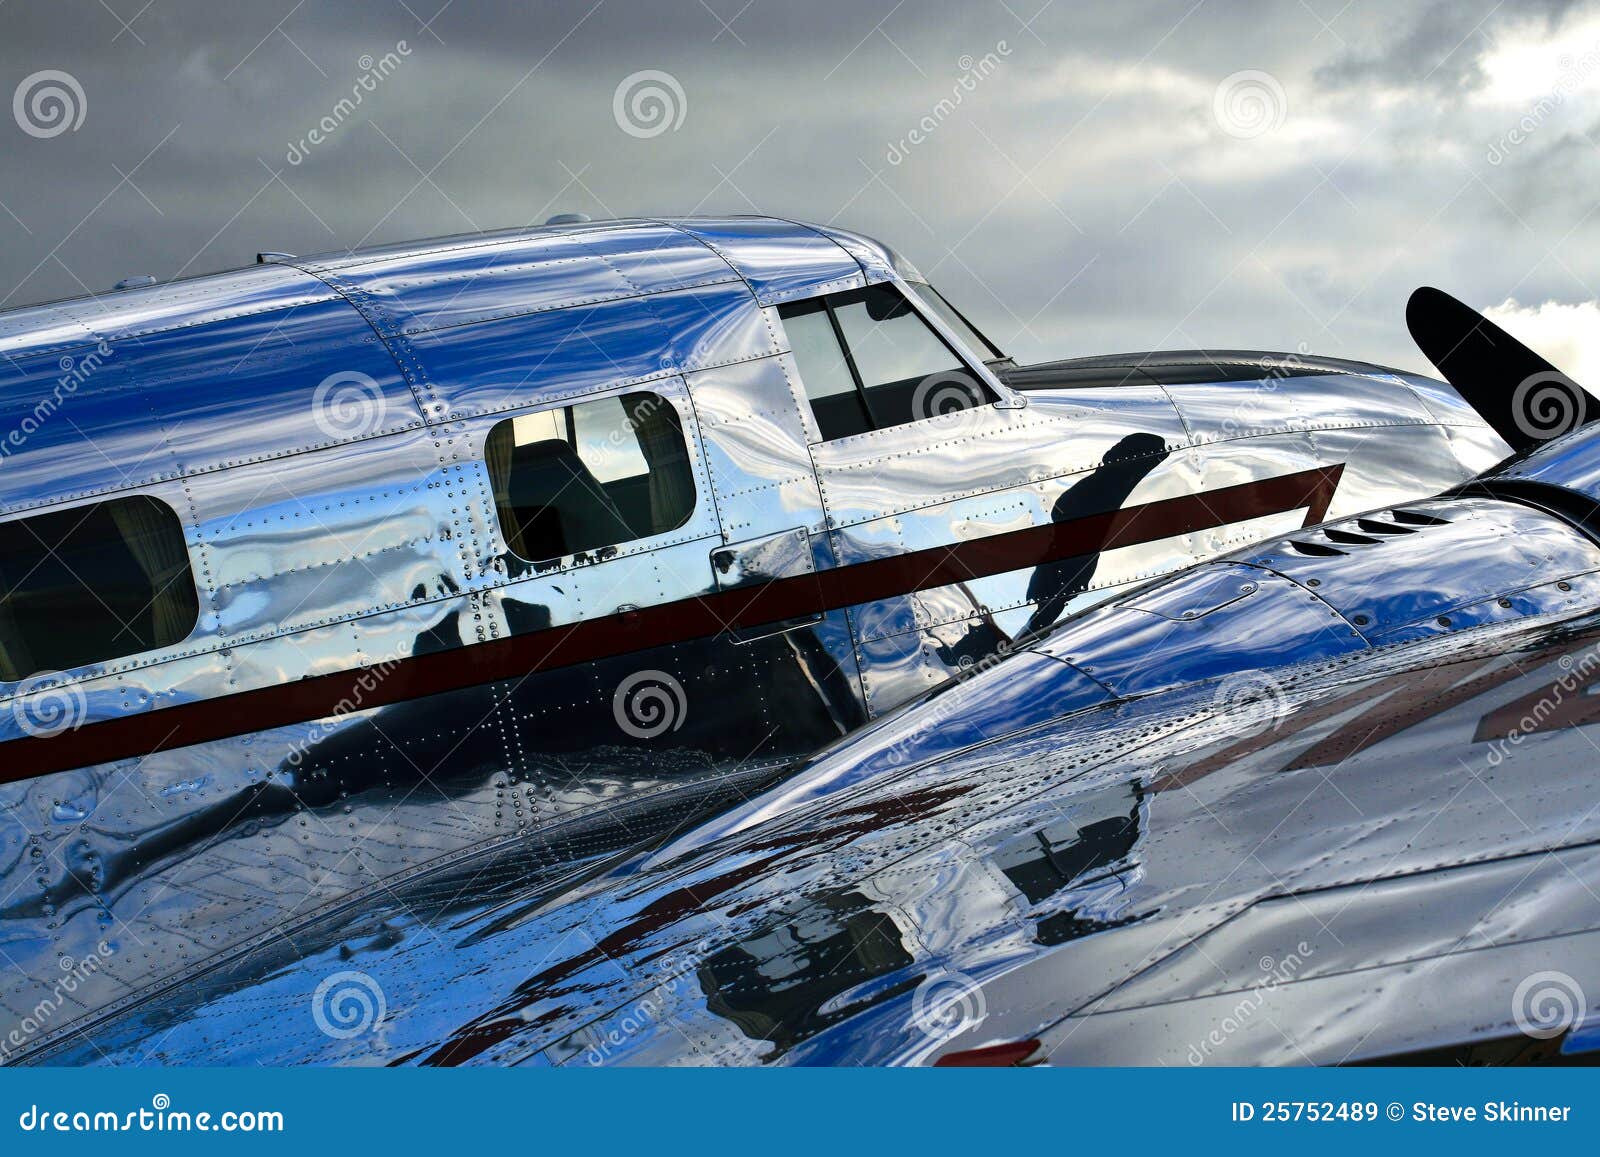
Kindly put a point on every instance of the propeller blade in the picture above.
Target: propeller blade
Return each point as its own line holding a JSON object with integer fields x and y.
{"x": 1523, "y": 397}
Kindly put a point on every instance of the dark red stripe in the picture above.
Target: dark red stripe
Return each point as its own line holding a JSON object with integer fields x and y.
{"x": 1002, "y": 1056}
{"x": 131, "y": 736}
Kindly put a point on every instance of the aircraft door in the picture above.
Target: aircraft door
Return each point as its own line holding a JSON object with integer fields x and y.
{"x": 799, "y": 687}
{"x": 922, "y": 455}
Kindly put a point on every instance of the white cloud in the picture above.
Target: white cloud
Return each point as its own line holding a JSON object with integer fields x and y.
{"x": 1566, "y": 334}
{"x": 1531, "y": 63}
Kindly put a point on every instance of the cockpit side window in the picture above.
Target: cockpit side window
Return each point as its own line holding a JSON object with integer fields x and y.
{"x": 830, "y": 383}
{"x": 592, "y": 475}
{"x": 93, "y": 584}
{"x": 868, "y": 362}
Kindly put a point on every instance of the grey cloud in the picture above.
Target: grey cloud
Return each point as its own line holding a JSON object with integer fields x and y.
{"x": 1079, "y": 199}
{"x": 1437, "y": 48}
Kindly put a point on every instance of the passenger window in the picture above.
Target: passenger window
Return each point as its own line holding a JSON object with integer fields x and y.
{"x": 901, "y": 370}
{"x": 591, "y": 475}
{"x": 92, "y": 584}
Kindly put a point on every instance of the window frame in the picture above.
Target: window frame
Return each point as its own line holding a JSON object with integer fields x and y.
{"x": 629, "y": 546}
{"x": 863, "y": 395}
{"x": 988, "y": 347}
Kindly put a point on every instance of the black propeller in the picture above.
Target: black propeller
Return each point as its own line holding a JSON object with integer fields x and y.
{"x": 1524, "y": 397}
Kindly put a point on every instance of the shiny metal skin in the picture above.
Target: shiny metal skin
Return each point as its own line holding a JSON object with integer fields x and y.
{"x": 1338, "y": 812}
{"x": 318, "y": 425}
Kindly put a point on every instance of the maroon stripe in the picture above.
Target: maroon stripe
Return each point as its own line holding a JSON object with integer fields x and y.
{"x": 184, "y": 725}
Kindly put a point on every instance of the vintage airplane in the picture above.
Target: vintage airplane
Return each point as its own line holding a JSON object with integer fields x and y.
{"x": 451, "y": 569}
{"x": 1326, "y": 799}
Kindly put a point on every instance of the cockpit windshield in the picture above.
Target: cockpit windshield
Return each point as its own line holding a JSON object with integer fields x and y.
{"x": 951, "y": 316}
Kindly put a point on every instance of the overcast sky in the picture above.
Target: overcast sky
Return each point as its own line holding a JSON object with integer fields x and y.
{"x": 1079, "y": 178}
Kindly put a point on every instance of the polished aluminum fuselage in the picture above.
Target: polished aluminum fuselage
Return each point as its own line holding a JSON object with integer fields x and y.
{"x": 376, "y": 686}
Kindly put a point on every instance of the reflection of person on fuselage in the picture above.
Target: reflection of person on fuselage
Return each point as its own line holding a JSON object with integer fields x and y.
{"x": 1053, "y": 584}
{"x": 1125, "y": 465}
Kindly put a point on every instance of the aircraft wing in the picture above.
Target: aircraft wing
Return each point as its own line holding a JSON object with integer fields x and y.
{"x": 1324, "y": 801}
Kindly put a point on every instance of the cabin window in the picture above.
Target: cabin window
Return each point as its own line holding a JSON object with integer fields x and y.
{"x": 92, "y": 584}
{"x": 591, "y": 475}
{"x": 868, "y": 362}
